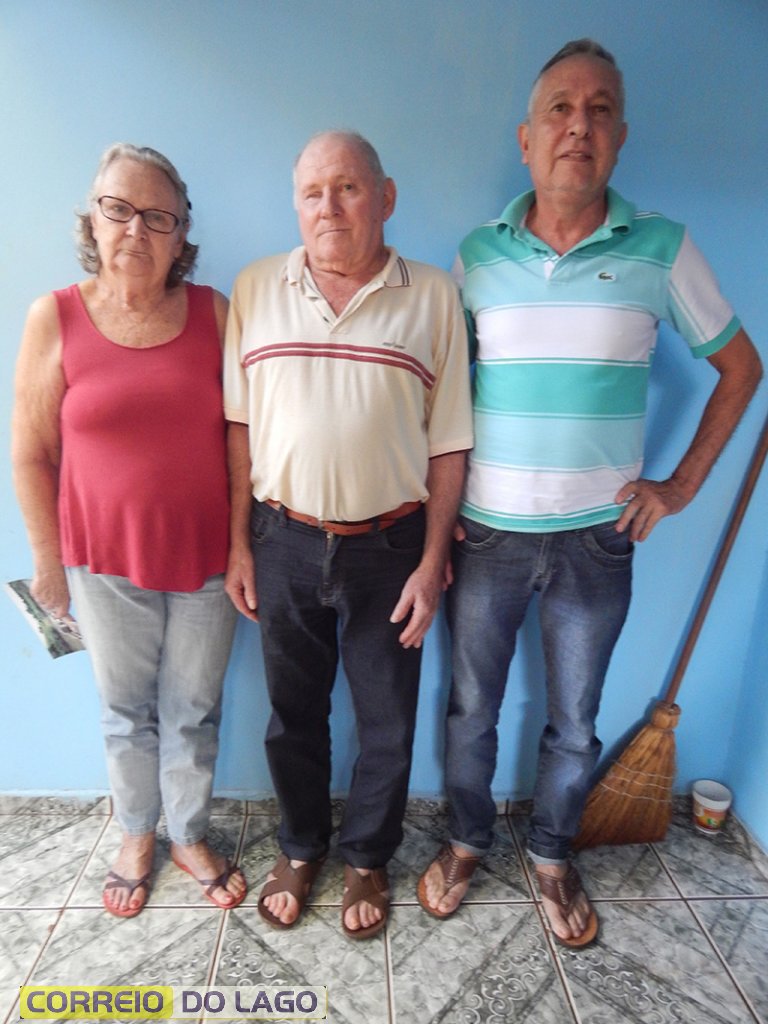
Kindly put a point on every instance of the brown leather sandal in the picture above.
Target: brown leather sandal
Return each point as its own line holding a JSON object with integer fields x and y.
{"x": 297, "y": 882}
{"x": 564, "y": 892}
{"x": 454, "y": 870}
{"x": 372, "y": 888}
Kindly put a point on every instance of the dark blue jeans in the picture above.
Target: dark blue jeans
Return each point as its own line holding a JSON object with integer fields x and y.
{"x": 320, "y": 597}
{"x": 583, "y": 578}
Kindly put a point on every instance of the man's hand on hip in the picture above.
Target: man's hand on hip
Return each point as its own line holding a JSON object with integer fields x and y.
{"x": 648, "y": 502}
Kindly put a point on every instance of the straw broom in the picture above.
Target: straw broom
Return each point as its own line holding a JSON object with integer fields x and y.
{"x": 632, "y": 803}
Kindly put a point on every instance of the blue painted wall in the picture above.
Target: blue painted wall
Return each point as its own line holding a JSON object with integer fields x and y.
{"x": 230, "y": 90}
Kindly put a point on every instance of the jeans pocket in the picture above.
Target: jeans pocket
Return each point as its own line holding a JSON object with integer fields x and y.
{"x": 607, "y": 546}
{"x": 406, "y": 534}
{"x": 261, "y": 523}
{"x": 479, "y": 537}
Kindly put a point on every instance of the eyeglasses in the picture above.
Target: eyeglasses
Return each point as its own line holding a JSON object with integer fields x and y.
{"x": 122, "y": 211}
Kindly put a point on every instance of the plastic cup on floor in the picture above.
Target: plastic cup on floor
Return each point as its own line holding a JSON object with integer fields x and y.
{"x": 711, "y": 801}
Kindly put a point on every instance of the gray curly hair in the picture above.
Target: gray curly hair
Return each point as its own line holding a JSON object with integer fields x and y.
{"x": 87, "y": 250}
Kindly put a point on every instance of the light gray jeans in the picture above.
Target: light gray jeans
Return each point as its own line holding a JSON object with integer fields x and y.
{"x": 159, "y": 660}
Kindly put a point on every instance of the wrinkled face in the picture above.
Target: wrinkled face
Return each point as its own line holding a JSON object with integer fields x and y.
{"x": 130, "y": 247}
{"x": 341, "y": 208}
{"x": 575, "y": 130}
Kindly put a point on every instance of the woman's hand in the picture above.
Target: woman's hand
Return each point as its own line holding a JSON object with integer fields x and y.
{"x": 49, "y": 588}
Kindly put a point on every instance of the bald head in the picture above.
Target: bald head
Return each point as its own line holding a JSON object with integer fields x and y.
{"x": 351, "y": 139}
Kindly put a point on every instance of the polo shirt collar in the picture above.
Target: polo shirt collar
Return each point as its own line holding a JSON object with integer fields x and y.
{"x": 394, "y": 273}
{"x": 619, "y": 217}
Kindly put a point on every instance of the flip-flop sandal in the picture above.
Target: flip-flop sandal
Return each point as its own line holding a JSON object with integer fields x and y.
{"x": 115, "y": 881}
{"x": 454, "y": 870}
{"x": 372, "y": 888}
{"x": 209, "y": 885}
{"x": 564, "y": 891}
{"x": 297, "y": 882}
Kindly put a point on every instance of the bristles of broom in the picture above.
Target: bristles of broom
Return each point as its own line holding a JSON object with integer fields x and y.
{"x": 632, "y": 803}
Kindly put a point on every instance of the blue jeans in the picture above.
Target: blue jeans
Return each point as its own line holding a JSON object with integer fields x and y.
{"x": 583, "y": 578}
{"x": 321, "y": 596}
{"x": 159, "y": 660}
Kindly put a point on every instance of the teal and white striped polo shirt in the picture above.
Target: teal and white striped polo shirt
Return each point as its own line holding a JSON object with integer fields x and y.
{"x": 563, "y": 347}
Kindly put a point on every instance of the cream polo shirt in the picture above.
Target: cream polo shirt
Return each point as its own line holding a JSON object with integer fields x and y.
{"x": 345, "y": 411}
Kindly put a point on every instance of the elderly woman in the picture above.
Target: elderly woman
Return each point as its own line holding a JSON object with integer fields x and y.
{"x": 120, "y": 468}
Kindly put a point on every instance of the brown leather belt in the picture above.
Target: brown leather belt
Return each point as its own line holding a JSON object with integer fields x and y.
{"x": 349, "y": 529}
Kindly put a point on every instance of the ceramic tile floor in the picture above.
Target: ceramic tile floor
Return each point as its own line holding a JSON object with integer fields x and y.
{"x": 684, "y": 926}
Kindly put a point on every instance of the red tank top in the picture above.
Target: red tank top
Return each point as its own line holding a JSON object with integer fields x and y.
{"x": 143, "y": 489}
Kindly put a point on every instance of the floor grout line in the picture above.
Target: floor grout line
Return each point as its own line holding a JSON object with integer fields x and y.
{"x": 726, "y": 965}
{"x": 390, "y": 973}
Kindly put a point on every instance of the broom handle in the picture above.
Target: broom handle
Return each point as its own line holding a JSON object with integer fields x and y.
{"x": 717, "y": 570}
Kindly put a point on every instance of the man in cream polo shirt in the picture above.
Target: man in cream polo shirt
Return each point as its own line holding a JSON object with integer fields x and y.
{"x": 347, "y": 391}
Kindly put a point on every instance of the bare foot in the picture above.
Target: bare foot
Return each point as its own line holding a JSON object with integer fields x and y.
{"x": 363, "y": 914}
{"x": 445, "y": 882}
{"x": 283, "y": 905}
{"x": 133, "y": 862}
{"x": 567, "y": 923}
{"x": 203, "y": 862}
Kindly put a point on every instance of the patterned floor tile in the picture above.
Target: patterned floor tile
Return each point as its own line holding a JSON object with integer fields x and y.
{"x": 314, "y": 953}
{"x": 170, "y": 886}
{"x": 625, "y": 872}
{"x": 54, "y": 805}
{"x": 22, "y": 934}
{"x": 485, "y": 965}
{"x": 168, "y": 947}
{"x": 488, "y": 964}
{"x": 740, "y": 930}
{"x": 227, "y": 805}
{"x": 729, "y": 863}
{"x": 651, "y": 963}
{"x": 42, "y": 854}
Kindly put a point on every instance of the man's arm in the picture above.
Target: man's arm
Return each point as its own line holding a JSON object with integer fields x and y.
{"x": 421, "y": 594}
{"x": 740, "y": 370}
{"x": 241, "y": 578}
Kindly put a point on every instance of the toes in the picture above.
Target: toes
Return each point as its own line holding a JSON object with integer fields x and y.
{"x": 369, "y": 915}
{"x": 433, "y": 887}
{"x": 282, "y": 906}
{"x": 352, "y": 918}
{"x": 114, "y": 899}
{"x": 137, "y": 900}
{"x": 223, "y": 895}
{"x": 361, "y": 915}
{"x": 236, "y": 884}
{"x": 558, "y": 923}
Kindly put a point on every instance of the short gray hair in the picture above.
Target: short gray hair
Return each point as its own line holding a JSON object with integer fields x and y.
{"x": 87, "y": 250}
{"x": 576, "y": 48}
{"x": 353, "y": 138}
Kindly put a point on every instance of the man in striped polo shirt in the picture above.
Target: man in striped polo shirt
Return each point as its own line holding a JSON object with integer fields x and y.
{"x": 563, "y": 295}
